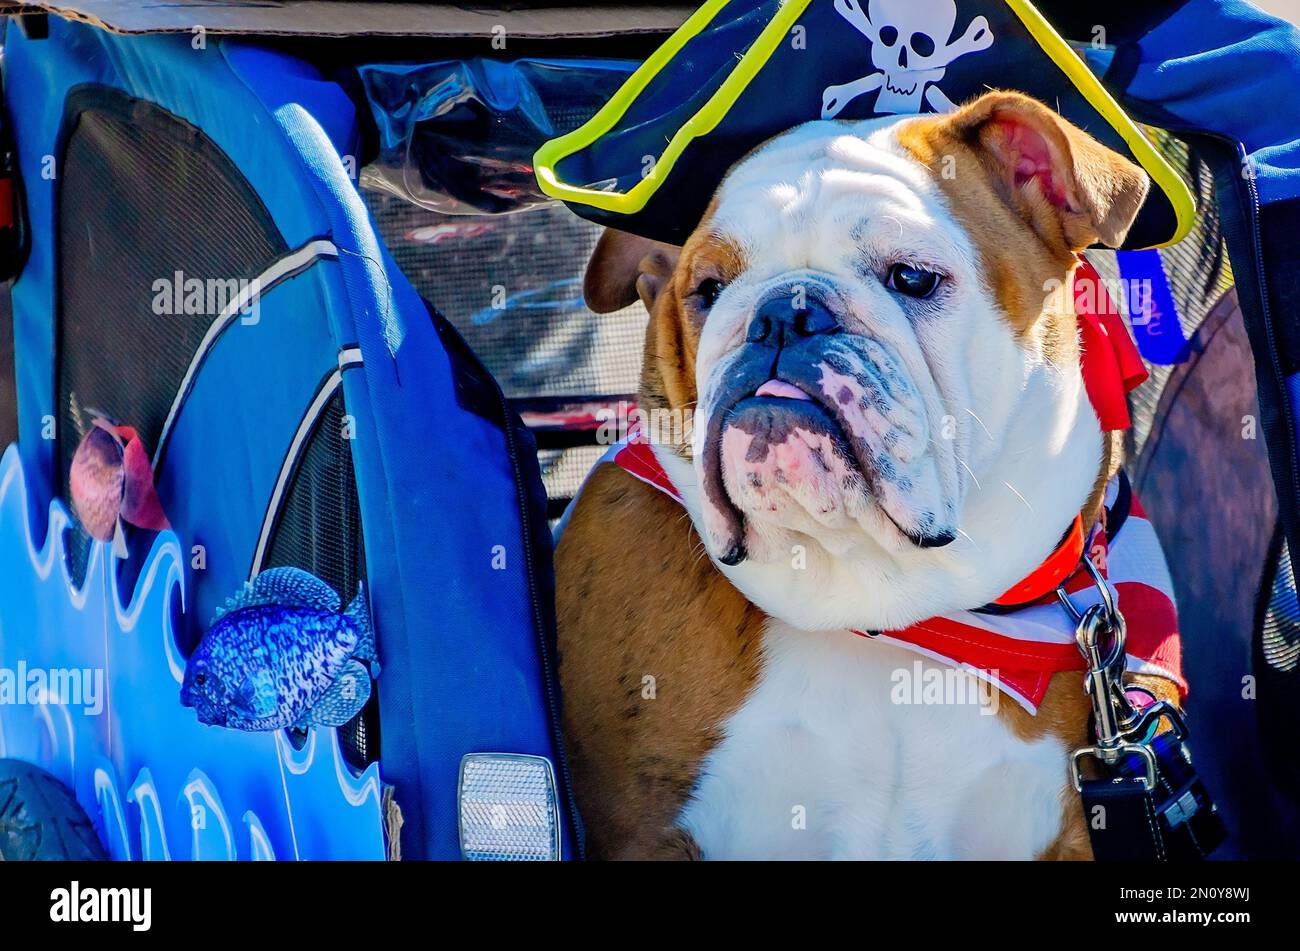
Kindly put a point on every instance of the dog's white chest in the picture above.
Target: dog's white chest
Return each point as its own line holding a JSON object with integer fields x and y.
{"x": 839, "y": 753}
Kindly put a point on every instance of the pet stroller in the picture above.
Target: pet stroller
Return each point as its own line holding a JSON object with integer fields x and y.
{"x": 303, "y": 254}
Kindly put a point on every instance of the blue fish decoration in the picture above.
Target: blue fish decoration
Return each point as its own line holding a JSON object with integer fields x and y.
{"x": 280, "y": 655}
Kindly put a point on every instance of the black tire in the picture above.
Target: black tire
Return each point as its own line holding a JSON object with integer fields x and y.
{"x": 40, "y": 819}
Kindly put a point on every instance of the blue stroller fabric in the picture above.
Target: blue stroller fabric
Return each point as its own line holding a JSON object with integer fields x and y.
{"x": 1225, "y": 67}
{"x": 456, "y": 547}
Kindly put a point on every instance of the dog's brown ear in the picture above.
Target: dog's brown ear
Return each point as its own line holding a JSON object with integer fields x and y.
{"x": 1072, "y": 190}
{"x": 625, "y": 266}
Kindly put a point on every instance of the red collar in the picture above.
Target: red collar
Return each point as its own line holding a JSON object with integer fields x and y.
{"x": 1056, "y": 569}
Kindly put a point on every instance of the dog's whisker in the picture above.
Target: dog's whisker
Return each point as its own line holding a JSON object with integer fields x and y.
{"x": 962, "y": 462}
{"x": 1016, "y": 493}
{"x": 700, "y": 553}
{"x": 978, "y": 420}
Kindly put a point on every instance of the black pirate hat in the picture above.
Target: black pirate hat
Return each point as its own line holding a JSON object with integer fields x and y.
{"x": 738, "y": 72}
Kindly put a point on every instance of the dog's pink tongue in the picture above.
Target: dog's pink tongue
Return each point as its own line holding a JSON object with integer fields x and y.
{"x": 782, "y": 389}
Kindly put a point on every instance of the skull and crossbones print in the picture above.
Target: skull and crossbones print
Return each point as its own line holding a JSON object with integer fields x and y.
{"x": 910, "y": 50}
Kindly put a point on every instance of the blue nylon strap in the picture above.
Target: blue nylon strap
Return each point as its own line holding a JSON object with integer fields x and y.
{"x": 1151, "y": 308}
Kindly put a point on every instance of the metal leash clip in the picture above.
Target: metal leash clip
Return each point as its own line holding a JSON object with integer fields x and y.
{"x": 1156, "y": 807}
{"x": 1100, "y": 635}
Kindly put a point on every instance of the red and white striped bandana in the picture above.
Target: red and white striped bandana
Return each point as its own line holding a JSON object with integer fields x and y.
{"x": 1018, "y": 651}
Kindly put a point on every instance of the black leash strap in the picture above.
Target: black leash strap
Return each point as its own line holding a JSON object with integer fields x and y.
{"x": 1174, "y": 821}
{"x": 1122, "y": 822}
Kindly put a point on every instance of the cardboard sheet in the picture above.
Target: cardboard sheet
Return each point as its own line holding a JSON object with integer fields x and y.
{"x": 339, "y": 18}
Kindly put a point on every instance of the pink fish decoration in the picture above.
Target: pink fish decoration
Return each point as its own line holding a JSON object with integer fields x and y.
{"x": 112, "y": 480}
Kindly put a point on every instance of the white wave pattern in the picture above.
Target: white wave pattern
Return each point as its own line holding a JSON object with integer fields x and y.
{"x": 185, "y": 779}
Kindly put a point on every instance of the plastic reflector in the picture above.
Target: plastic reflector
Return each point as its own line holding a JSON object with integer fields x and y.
{"x": 508, "y": 808}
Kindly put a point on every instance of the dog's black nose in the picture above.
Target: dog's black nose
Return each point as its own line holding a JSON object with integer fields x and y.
{"x": 781, "y": 319}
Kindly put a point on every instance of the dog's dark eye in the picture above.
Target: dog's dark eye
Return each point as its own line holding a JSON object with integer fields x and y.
{"x": 200, "y": 679}
{"x": 912, "y": 281}
{"x": 708, "y": 291}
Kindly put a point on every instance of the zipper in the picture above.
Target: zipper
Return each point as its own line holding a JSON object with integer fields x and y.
{"x": 1275, "y": 360}
{"x": 550, "y": 674}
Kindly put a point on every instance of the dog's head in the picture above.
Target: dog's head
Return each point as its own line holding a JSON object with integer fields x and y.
{"x": 873, "y": 326}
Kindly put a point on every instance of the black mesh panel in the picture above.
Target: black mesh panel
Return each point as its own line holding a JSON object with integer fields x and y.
{"x": 1280, "y": 639}
{"x": 319, "y": 530}
{"x": 143, "y": 195}
{"x": 1277, "y": 666}
{"x": 512, "y": 286}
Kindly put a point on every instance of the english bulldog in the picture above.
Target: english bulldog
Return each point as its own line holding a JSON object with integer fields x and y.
{"x": 889, "y": 425}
